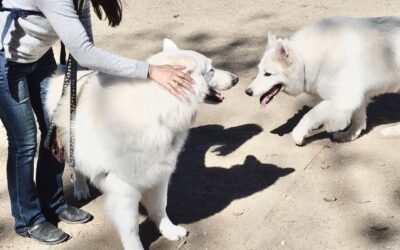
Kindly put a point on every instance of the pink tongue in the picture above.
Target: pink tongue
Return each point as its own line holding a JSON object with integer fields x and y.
{"x": 265, "y": 101}
{"x": 214, "y": 96}
{"x": 219, "y": 96}
{"x": 268, "y": 98}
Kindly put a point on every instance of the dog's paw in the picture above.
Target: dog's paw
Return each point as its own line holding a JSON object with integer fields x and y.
{"x": 393, "y": 131}
{"x": 298, "y": 136}
{"x": 174, "y": 233}
{"x": 346, "y": 136}
{"x": 351, "y": 132}
{"x": 171, "y": 231}
{"x": 341, "y": 136}
{"x": 81, "y": 192}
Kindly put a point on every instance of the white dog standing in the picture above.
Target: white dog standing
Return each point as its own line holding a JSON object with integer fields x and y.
{"x": 344, "y": 61}
{"x": 129, "y": 134}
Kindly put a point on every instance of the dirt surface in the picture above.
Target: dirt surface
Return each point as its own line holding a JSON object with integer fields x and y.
{"x": 241, "y": 183}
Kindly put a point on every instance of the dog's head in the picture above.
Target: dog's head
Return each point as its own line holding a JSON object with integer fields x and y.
{"x": 281, "y": 68}
{"x": 207, "y": 78}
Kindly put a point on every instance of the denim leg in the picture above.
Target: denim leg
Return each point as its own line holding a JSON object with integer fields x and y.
{"x": 49, "y": 171}
{"x": 18, "y": 118}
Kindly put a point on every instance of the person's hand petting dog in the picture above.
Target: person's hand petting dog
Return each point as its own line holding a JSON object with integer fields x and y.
{"x": 172, "y": 78}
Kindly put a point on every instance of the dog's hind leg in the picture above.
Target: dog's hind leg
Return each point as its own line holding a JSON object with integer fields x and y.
{"x": 330, "y": 114}
{"x": 122, "y": 205}
{"x": 155, "y": 201}
{"x": 392, "y": 131}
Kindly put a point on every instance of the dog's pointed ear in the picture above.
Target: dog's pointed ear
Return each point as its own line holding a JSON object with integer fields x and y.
{"x": 169, "y": 45}
{"x": 282, "y": 54}
{"x": 282, "y": 51}
{"x": 271, "y": 38}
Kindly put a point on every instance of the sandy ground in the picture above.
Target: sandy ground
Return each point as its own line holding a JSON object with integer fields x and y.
{"x": 241, "y": 183}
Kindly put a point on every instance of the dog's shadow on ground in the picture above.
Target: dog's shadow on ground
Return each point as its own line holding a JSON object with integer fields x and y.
{"x": 384, "y": 109}
{"x": 290, "y": 124}
{"x": 198, "y": 191}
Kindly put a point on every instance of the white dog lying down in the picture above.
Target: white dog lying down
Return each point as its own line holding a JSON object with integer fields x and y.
{"x": 345, "y": 61}
{"x": 129, "y": 134}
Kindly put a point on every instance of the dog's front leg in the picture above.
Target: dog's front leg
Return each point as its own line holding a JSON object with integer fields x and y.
{"x": 155, "y": 201}
{"x": 122, "y": 205}
{"x": 358, "y": 124}
{"x": 330, "y": 114}
{"x": 81, "y": 189}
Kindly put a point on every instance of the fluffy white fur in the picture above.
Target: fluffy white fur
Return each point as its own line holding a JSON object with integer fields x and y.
{"x": 129, "y": 134}
{"x": 344, "y": 61}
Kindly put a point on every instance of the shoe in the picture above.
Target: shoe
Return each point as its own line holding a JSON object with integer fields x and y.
{"x": 46, "y": 233}
{"x": 74, "y": 215}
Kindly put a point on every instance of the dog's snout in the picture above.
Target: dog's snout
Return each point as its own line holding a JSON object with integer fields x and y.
{"x": 249, "y": 92}
{"x": 235, "y": 80}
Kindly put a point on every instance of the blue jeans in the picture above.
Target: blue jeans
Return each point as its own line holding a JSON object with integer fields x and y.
{"x": 22, "y": 96}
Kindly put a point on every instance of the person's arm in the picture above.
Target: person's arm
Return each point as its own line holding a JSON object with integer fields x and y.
{"x": 63, "y": 18}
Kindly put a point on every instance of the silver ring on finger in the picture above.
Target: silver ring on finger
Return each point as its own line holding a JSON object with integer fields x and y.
{"x": 175, "y": 84}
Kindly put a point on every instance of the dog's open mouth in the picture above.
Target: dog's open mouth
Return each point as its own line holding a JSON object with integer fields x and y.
{"x": 269, "y": 95}
{"x": 214, "y": 96}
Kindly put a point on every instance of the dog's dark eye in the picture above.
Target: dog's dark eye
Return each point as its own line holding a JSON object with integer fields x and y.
{"x": 267, "y": 74}
{"x": 209, "y": 75}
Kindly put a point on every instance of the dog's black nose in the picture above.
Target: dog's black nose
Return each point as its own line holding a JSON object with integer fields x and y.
{"x": 235, "y": 80}
{"x": 249, "y": 92}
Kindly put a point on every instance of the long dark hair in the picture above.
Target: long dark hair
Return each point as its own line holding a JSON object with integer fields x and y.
{"x": 111, "y": 8}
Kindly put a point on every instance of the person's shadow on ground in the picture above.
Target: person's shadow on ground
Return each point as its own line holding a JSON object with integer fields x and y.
{"x": 198, "y": 191}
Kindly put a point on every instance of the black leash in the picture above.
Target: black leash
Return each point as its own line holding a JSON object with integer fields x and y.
{"x": 70, "y": 79}
{"x": 63, "y": 55}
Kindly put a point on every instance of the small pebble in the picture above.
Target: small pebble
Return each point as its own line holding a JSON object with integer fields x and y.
{"x": 376, "y": 228}
{"x": 238, "y": 213}
{"x": 330, "y": 199}
{"x": 363, "y": 202}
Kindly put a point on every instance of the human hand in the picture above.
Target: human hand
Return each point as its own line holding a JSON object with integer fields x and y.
{"x": 172, "y": 78}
